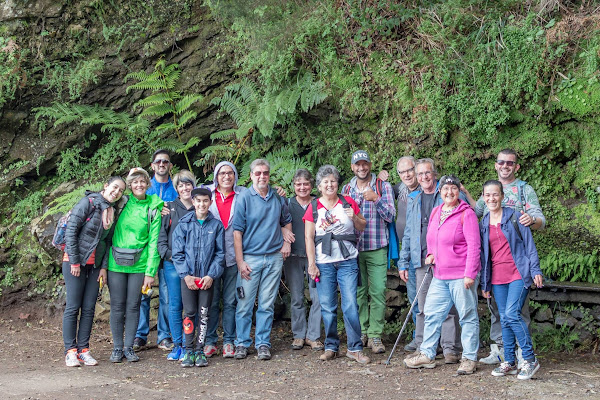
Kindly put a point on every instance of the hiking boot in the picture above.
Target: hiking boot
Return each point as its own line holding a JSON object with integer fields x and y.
{"x": 210, "y": 350}
{"x": 116, "y": 356}
{"x": 176, "y": 353}
{"x": 188, "y": 359}
{"x": 419, "y": 361}
{"x": 241, "y": 352}
{"x": 264, "y": 353}
{"x": 201, "y": 360}
{"x": 376, "y": 346}
{"x": 85, "y": 357}
{"x": 71, "y": 358}
{"x": 138, "y": 343}
{"x": 228, "y": 350}
{"x": 166, "y": 344}
{"x": 328, "y": 355}
{"x": 467, "y": 367}
{"x": 130, "y": 355}
{"x": 416, "y": 353}
{"x": 451, "y": 358}
{"x": 297, "y": 344}
{"x": 358, "y": 356}
{"x": 505, "y": 368}
{"x": 315, "y": 345}
{"x": 411, "y": 347}
{"x": 364, "y": 339}
{"x": 496, "y": 355}
{"x": 529, "y": 369}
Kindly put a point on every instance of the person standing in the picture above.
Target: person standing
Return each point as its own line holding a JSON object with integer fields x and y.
{"x": 262, "y": 234}
{"x": 296, "y": 266}
{"x": 161, "y": 186}
{"x": 376, "y": 202}
{"x": 522, "y": 198}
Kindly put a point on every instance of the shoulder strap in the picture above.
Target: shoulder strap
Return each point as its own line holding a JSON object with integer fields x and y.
{"x": 513, "y": 219}
{"x": 378, "y": 187}
{"x": 151, "y": 215}
{"x": 313, "y": 204}
{"x": 345, "y": 203}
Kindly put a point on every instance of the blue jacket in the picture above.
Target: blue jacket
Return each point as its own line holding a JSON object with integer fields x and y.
{"x": 165, "y": 191}
{"x": 523, "y": 251}
{"x": 410, "y": 253}
{"x": 199, "y": 249}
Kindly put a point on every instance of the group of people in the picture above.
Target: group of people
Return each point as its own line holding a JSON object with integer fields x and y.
{"x": 219, "y": 249}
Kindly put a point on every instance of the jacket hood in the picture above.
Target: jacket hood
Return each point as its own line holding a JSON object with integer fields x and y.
{"x": 191, "y": 216}
{"x": 463, "y": 205}
{"x": 353, "y": 181}
{"x": 179, "y": 204}
{"x": 221, "y": 165}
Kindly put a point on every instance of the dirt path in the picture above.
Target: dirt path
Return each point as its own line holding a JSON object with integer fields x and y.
{"x": 32, "y": 367}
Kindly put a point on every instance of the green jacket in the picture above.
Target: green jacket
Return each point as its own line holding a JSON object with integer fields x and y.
{"x": 131, "y": 232}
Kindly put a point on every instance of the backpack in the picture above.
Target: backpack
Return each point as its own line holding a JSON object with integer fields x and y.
{"x": 313, "y": 204}
{"x": 59, "y": 239}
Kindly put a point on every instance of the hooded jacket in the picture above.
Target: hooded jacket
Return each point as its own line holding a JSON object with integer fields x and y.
{"x": 165, "y": 191}
{"x": 131, "y": 232}
{"x": 169, "y": 223}
{"x": 229, "y": 250}
{"x": 198, "y": 249}
{"x": 85, "y": 232}
{"x": 523, "y": 251}
{"x": 455, "y": 243}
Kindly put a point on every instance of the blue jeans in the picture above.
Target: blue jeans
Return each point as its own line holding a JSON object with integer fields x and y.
{"x": 264, "y": 280}
{"x": 510, "y": 298}
{"x": 345, "y": 274}
{"x": 162, "y": 325}
{"x": 441, "y": 296}
{"x": 224, "y": 288}
{"x": 173, "y": 282}
{"x": 411, "y": 292}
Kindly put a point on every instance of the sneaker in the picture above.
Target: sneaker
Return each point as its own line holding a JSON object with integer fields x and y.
{"x": 315, "y": 345}
{"x": 130, "y": 355}
{"x": 71, "y": 358}
{"x": 176, "y": 353}
{"x": 138, "y": 343}
{"x": 358, "y": 356}
{"x": 264, "y": 353}
{"x": 496, "y": 355}
{"x": 467, "y": 367}
{"x": 505, "y": 368}
{"x": 85, "y": 357}
{"x": 210, "y": 350}
{"x": 188, "y": 359}
{"x": 529, "y": 369}
{"x": 165, "y": 344}
{"x": 364, "y": 339}
{"x": 376, "y": 346}
{"x": 451, "y": 358}
{"x": 116, "y": 356}
{"x": 297, "y": 344}
{"x": 411, "y": 347}
{"x": 419, "y": 361}
{"x": 328, "y": 355}
{"x": 228, "y": 350}
{"x": 201, "y": 360}
{"x": 241, "y": 352}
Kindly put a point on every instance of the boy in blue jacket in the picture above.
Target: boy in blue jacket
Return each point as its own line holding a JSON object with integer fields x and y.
{"x": 199, "y": 256}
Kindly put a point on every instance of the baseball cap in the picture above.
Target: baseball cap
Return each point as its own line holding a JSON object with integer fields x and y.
{"x": 359, "y": 155}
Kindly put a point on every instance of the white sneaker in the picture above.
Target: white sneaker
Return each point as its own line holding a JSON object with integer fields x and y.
{"x": 71, "y": 358}
{"x": 496, "y": 355}
{"x": 86, "y": 358}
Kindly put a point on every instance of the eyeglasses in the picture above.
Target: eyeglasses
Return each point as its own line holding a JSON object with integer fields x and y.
{"x": 406, "y": 171}
{"x": 226, "y": 173}
{"x": 161, "y": 161}
{"x": 426, "y": 173}
{"x": 263, "y": 173}
{"x": 507, "y": 162}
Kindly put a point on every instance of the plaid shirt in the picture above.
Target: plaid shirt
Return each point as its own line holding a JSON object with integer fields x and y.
{"x": 377, "y": 213}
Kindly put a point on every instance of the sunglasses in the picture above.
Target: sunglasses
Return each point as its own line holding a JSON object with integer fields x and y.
{"x": 508, "y": 163}
{"x": 160, "y": 161}
{"x": 259, "y": 173}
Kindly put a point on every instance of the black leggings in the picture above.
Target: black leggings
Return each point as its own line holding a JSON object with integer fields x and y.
{"x": 195, "y": 302}
{"x": 125, "y": 297}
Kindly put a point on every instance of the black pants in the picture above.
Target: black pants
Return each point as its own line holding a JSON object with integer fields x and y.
{"x": 125, "y": 297}
{"x": 82, "y": 292}
{"x": 195, "y": 303}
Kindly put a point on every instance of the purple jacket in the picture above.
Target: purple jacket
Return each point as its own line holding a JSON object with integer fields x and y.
{"x": 455, "y": 244}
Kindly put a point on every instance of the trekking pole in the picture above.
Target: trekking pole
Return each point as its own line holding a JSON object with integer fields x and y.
{"x": 387, "y": 362}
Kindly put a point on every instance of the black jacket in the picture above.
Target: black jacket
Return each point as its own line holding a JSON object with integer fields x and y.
{"x": 85, "y": 232}
{"x": 165, "y": 240}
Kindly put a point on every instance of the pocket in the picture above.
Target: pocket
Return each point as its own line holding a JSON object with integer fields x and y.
{"x": 126, "y": 257}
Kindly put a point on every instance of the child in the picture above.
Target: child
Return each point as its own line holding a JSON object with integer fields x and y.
{"x": 199, "y": 256}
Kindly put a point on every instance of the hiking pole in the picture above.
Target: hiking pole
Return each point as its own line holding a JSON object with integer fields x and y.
{"x": 387, "y": 362}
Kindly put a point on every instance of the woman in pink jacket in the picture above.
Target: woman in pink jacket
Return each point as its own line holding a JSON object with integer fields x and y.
{"x": 453, "y": 247}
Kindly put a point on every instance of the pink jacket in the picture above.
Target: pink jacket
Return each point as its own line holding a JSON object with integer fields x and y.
{"x": 455, "y": 244}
